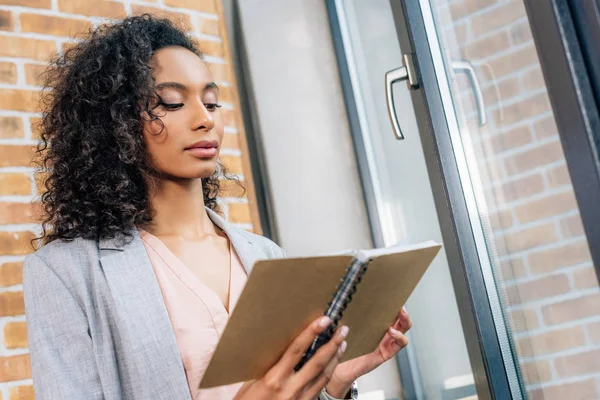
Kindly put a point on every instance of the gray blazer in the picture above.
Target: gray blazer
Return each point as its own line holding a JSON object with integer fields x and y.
{"x": 97, "y": 324}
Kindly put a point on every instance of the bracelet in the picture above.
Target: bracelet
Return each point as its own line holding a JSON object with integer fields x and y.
{"x": 351, "y": 395}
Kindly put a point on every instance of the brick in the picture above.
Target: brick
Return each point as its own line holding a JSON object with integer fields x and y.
{"x": 211, "y": 48}
{"x": 11, "y": 127}
{"x": 19, "y": 213}
{"x": 542, "y": 288}
{"x": 558, "y": 176}
{"x": 207, "y": 6}
{"x": 522, "y": 110}
{"x": 16, "y": 155}
{"x": 521, "y": 188}
{"x": 228, "y": 117}
{"x": 231, "y": 141}
{"x": 27, "y": 3}
{"x": 40, "y": 182}
{"x": 11, "y": 304}
{"x": 233, "y": 164}
{"x": 536, "y": 372}
{"x": 11, "y": 274}
{"x": 180, "y": 19}
{"x": 35, "y": 125}
{"x": 578, "y": 364}
{"x": 522, "y": 320}
{"x": 551, "y": 342}
{"x": 549, "y": 260}
{"x": 225, "y": 93}
{"x": 534, "y": 158}
{"x": 52, "y": 25}
{"x": 497, "y": 18}
{"x": 521, "y": 32}
{"x": 488, "y": 46}
{"x": 585, "y": 278}
{"x": 594, "y": 332}
{"x": 8, "y": 73}
{"x": 512, "y": 268}
{"x": 16, "y": 243}
{"x": 505, "y": 90}
{"x": 546, "y": 128}
{"x": 229, "y": 188}
{"x": 511, "y": 139}
{"x": 15, "y": 335}
{"x": 572, "y": 226}
{"x": 582, "y": 390}
{"x": 207, "y": 26}
{"x": 511, "y": 62}
{"x": 534, "y": 79}
{"x": 33, "y": 74}
{"x": 19, "y": 100}
{"x": 462, "y": 8}
{"x": 6, "y": 23}
{"x": 220, "y": 73}
{"x": 239, "y": 213}
{"x": 15, "y": 46}
{"x": 501, "y": 220}
{"x": 530, "y": 238}
{"x": 14, "y": 184}
{"x": 572, "y": 309}
{"x": 22, "y": 393}
{"x": 15, "y": 368}
{"x": 546, "y": 207}
{"x": 104, "y": 8}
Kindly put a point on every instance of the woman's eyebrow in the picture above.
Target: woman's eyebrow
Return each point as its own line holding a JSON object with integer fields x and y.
{"x": 182, "y": 87}
{"x": 211, "y": 85}
{"x": 171, "y": 85}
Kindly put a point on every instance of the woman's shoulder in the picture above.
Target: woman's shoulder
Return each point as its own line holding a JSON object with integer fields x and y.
{"x": 258, "y": 242}
{"x": 61, "y": 258}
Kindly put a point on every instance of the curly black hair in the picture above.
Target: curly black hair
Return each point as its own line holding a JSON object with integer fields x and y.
{"x": 92, "y": 151}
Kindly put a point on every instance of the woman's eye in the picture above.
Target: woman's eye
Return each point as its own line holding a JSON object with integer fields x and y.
{"x": 172, "y": 106}
{"x": 212, "y": 106}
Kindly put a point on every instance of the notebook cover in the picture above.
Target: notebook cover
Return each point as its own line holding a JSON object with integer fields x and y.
{"x": 283, "y": 296}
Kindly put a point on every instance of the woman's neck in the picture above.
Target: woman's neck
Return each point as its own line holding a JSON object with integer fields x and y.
{"x": 178, "y": 210}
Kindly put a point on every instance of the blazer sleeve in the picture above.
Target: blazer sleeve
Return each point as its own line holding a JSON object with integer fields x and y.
{"x": 60, "y": 347}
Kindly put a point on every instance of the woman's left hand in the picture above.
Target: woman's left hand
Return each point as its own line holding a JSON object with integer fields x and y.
{"x": 393, "y": 341}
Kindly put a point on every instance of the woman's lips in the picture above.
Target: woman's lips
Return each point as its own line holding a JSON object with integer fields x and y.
{"x": 203, "y": 152}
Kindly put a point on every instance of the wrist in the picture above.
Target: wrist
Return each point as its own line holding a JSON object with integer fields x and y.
{"x": 338, "y": 389}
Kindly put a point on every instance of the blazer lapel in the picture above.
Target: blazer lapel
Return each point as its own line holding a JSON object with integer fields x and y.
{"x": 242, "y": 245}
{"x": 144, "y": 327}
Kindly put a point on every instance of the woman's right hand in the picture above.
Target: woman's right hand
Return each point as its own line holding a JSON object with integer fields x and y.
{"x": 282, "y": 382}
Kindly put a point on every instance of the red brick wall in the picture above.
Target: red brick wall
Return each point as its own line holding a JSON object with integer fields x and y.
{"x": 30, "y": 32}
{"x": 543, "y": 264}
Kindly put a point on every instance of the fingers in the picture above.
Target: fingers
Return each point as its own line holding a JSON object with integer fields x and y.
{"x": 399, "y": 338}
{"x": 296, "y": 350}
{"x": 404, "y": 322}
{"x": 317, "y": 365}
{"x": 315, "y": 387}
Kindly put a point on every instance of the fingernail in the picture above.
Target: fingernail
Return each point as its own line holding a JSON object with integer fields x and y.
{"x": 404, "y": 309}
{"x": 394, "y": 332}
{"x": 324, "y": 321}
{"x": 343, "y": 346}
{"x": 344, "y": 331}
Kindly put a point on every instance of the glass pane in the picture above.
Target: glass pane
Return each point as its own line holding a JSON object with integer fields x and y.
{"x": 539, "y": 252}
{"x": 404, "y": 201}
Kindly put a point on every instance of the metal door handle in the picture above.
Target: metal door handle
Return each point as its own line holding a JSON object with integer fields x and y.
{"x": 404, "y": 73}
{"x": 467, "y": 68}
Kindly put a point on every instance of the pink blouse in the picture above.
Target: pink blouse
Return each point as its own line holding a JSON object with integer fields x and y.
{"x": 197, "y": 314}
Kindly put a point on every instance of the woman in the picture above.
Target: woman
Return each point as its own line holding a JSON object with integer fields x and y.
{"x": 134, "y": 283}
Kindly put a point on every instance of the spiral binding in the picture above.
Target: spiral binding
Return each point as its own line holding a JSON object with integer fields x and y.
{"x": 337, "y": 305}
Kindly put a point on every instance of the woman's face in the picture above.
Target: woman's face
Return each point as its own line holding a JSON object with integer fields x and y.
{"x": 188, "y": 141}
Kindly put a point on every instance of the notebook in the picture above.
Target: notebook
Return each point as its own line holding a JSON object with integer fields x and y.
{"x": 364, "y": 289}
